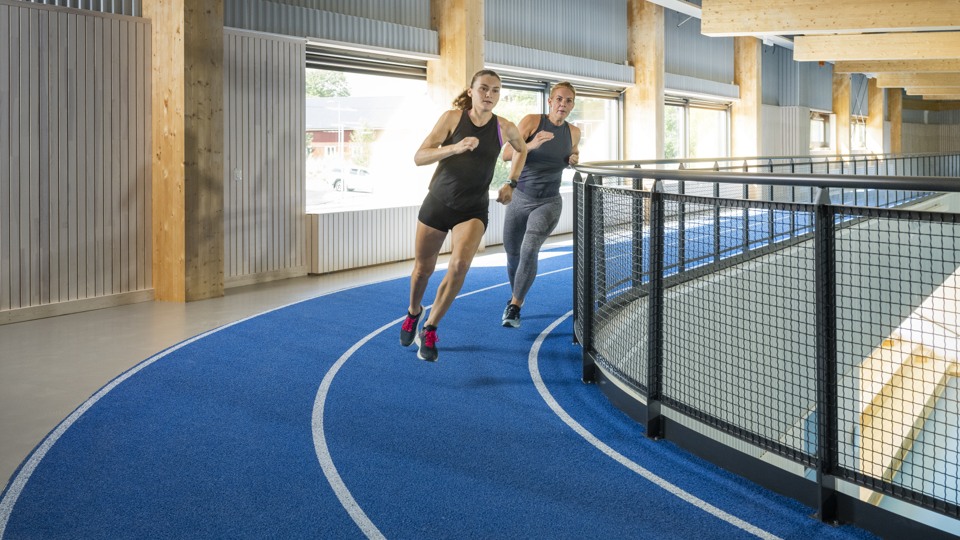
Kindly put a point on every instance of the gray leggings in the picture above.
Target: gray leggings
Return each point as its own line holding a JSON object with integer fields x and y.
{"x": 526, "y": 226}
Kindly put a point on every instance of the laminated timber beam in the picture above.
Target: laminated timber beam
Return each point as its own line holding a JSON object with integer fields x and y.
{"x": 897, "y": 66}
{"x": 759, "y": 17}
{"x": 863, "y": 47}
{"x": 932, "y": 91}
{"x": 918, "y": 80}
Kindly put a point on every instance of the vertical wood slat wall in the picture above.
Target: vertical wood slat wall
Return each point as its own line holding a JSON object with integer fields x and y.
{"x": 264, "y": 157}
{"x": 74, "y": 157}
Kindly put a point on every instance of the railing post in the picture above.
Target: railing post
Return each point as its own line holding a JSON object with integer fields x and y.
{"x": 654, "y": 424}
{"x": 589, "y": 265}
{"x": 716, "y": 217}
{"x": 578, "y": 188}
{"x": 637, "y": 234}
{"x": 746, "y": 213}
{"x": 826, "y": 384}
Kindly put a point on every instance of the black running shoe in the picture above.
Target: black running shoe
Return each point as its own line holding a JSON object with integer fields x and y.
{"x": 408, "y": 330}
{"x": 511, "y": 315}
{"x": 428, "y": 344}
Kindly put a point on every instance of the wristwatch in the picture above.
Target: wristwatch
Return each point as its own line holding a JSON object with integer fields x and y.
{"x": 513, "y": 184}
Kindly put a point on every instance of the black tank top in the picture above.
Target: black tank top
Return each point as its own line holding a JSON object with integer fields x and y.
{"x": 462, "y": 181}
{"x": 544, "y": 167}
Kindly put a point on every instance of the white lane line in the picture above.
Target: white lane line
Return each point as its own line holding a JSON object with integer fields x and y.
{"x": 534, "y": 367}
{"x": 340, "y": 488}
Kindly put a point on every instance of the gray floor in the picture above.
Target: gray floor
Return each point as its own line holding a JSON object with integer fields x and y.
{"x": 49, "y": 367}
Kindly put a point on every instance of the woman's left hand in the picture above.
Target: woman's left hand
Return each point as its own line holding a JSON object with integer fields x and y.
{"x": 505, "y": 195}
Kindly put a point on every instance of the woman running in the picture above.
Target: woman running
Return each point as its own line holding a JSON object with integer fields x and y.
{"x": 465, "y": 144}
{"x": 553, "y": 145}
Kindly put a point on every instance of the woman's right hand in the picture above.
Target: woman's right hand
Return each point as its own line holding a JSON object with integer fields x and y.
{"x": 538, "y": 139}
{"x": 467, "y": 144}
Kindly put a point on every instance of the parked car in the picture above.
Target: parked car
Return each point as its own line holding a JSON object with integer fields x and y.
{"x": 350, "y": 179}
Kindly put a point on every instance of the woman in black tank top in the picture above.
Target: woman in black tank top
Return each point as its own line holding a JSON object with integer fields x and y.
{"x": 465, "y": 144}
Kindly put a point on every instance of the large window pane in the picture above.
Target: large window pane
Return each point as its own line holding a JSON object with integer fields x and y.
{"x": 362, "y": 133}
{"x": 599, "y": 123}
{"x": 673, "y": 132}
{"x": 708, "y": 133}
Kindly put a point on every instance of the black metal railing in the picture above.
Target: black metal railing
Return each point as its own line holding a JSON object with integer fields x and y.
{"x": 811, "y": 315}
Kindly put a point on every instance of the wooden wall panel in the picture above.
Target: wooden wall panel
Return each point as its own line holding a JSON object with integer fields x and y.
{"x": 74, "y": 153}
{"x": 264, "y": 157}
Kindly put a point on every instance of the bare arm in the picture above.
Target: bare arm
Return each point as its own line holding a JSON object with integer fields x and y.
{"x": 431, "y": 150}
{"x": 515, "y": 143}
{"x": 575, "y": 139}
{"x": 528, "y": 124}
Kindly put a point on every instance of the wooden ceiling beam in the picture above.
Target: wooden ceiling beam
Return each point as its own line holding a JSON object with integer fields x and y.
{"x": 897, "y": 66}
{"x": 927, "y": 91}
{"x": 759, "y": 17}
{"x": 927, "y": 80}
{"x": 954, "y": 97}
{"x": 869, "y": 47}
{"x": 930, "y": 105}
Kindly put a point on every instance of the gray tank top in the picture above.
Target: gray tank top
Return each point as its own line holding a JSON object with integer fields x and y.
{"x": 544, "y": 166}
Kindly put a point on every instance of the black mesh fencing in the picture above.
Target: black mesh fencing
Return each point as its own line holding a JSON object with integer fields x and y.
{"x": 822, "y": 328}
{"x": 896, "y": 314}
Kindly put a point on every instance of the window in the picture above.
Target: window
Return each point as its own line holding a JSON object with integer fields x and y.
{"x": 858, "y": 133}
{"x": 599, "y": 121}
{"x": 695, "y": 129}
{"x": 819, "y": 131}
{"x": 596, "y": 113}
{"x": 362, "y": 132}
{"x": 364, "y": 124}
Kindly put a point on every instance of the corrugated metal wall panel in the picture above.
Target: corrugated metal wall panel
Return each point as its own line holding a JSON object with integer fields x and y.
{"x": 804, "y": 84}
{"x": 914, "y": 116}
{"x": 599, "y": 31}
{"x": 75, "y": 139}
{"x": 512, "y": 56}
{"x": 264, "y": 163}
{"x": 291, "y": 20}
{"x": 770, "y": 75}
{"x": 816, "y": 86}
{"x": 414, "y": 13}
{"x": 689, "y": 53}
{"x": 680, "y": 83}
{"x": 858, "y": 95}
{"x": 116, "y": 7}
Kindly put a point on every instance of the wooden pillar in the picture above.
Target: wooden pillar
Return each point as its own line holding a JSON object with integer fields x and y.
{"x": 841, "y": 108}
{"x": 874, "y": 117}
{"x": 459, "y": 25}
{"x": 187, "y": 148}
{"x": 745, "y": 114}
{"x": 895, "y": 108}
{"x": 643, "y": 102}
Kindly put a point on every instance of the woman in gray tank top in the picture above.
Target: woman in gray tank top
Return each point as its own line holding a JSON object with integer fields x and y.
{"x": 533, "y": 213}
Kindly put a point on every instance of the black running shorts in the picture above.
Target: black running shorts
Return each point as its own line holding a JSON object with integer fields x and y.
{"x": 437, "y": 215}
